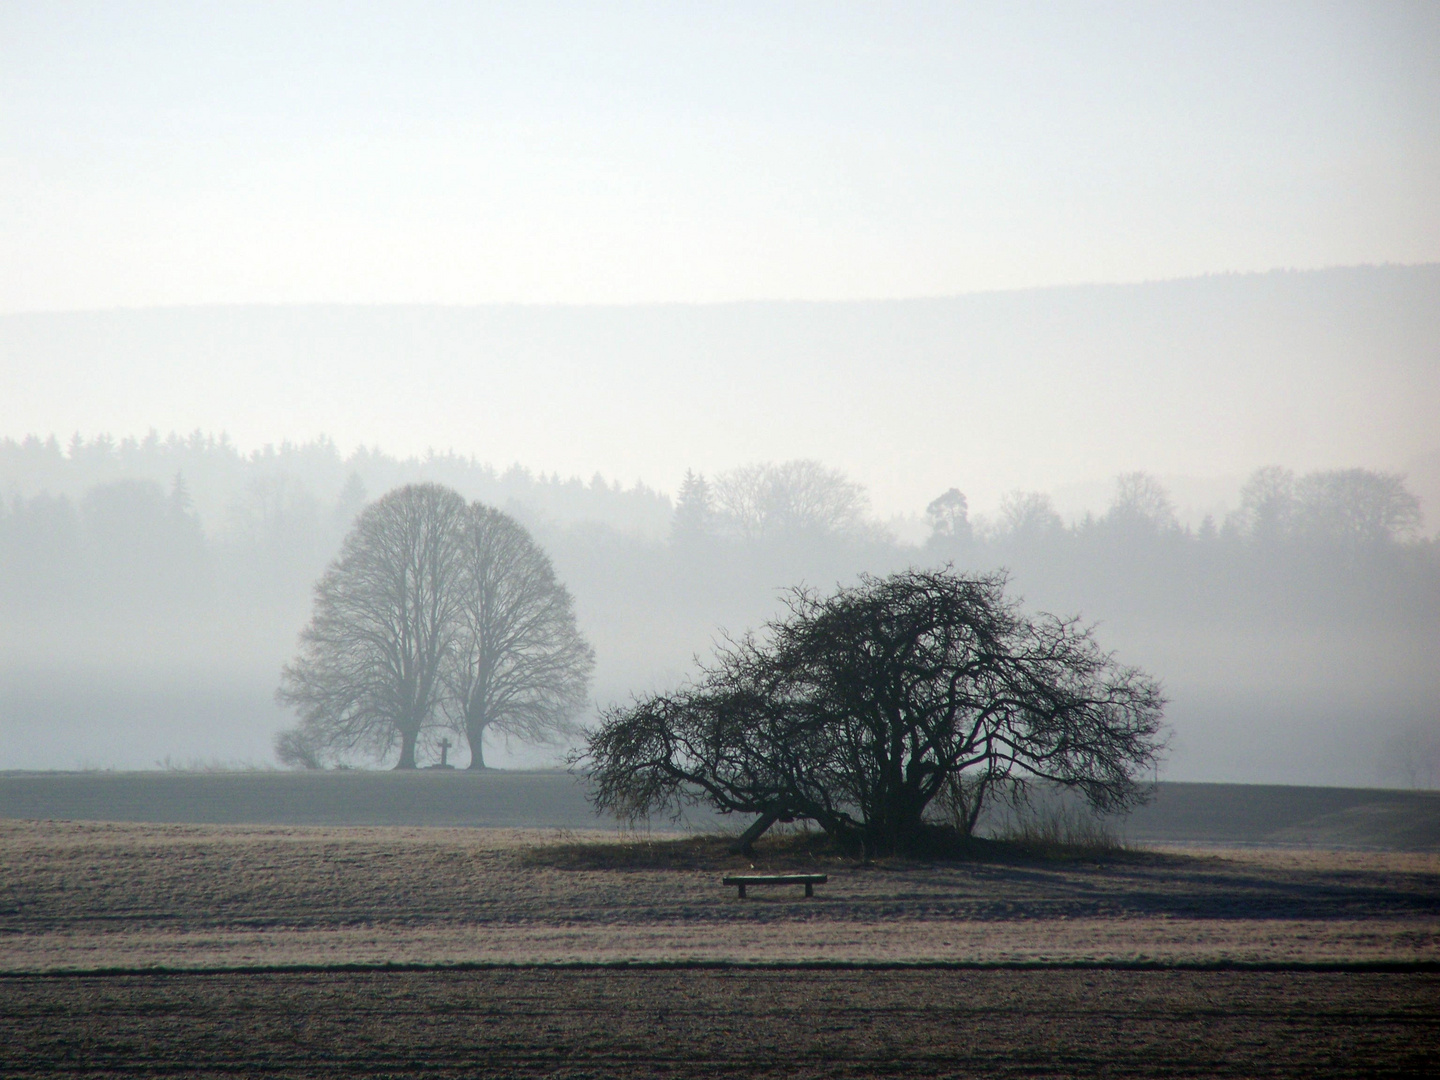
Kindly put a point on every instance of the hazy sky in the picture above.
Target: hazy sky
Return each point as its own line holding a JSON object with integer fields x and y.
{"x": 467, "y": 153}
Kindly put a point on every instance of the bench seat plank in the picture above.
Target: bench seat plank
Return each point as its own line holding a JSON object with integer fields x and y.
{"x": 808, "y": 880}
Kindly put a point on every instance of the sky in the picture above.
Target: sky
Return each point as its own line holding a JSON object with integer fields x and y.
{"x": 180, "y": 154}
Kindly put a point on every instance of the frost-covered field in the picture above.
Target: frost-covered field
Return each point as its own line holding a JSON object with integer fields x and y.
{"x": 77, "y": 896}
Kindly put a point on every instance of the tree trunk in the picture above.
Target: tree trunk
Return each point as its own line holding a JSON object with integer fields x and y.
{"x": 886, "y": 837}
{"x": 407, "y": 749}
{"x": 746, "y": 843}
{"x": 475, "y": 736}
{"x": 973, "y": 818}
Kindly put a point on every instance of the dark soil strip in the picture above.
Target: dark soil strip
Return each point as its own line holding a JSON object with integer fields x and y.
{"x": 732, "y": 1023}
{"x": 1372, "y": 967}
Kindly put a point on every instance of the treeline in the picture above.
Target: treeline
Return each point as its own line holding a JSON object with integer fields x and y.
{"x": 1340, "y": 543}
{"x": 192, "y": 522}
{"x": 230, "y": 489}
{"x": 1343, "y": 542}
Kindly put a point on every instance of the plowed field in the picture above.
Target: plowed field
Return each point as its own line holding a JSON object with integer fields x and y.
{"x": 735, "y": 1023}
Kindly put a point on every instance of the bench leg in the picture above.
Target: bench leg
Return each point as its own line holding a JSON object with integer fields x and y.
{"x": 809, "y": 889}
{"x": 742, "y": 892}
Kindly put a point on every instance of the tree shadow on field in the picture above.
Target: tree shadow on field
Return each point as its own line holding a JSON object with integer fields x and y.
{"x": 707, "y": 852}
{"x": 985, "y": 879}
{"x": 800, "y": 849}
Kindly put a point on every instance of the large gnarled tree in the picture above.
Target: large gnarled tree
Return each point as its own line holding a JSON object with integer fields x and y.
{"x": 858, "y": 710}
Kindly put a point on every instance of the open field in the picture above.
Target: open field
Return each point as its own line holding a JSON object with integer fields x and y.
{"x": 447, "y": 951}
{"x": 86, "y": 897}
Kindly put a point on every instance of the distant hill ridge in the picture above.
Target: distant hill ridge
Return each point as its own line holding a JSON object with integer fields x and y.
{"x": 986, "y": 391}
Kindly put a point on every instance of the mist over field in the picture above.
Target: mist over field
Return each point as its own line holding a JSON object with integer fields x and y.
{"x": 154, "y": 583}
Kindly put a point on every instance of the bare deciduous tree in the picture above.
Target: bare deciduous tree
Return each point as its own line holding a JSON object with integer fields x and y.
{"x": 793, "y": 498}
{"x": 1345, "y": 507}
{"x": 1356, "y": 507}
{"x": 1141, "y": 502}
{"x": 368, "y": 674}
{"x": 1027, "y": 516}
{"x": 519, "y": 664}
{"x": 859, "y": 709}
{"x": 1412, "y": 755}
{"x": 1267, "y": 504}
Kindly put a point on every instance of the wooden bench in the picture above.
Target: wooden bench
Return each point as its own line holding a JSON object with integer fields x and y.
{"x": 808, "y": 880}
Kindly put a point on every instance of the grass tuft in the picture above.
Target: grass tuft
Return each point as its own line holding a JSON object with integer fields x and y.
{"x": 1061, "y": 833}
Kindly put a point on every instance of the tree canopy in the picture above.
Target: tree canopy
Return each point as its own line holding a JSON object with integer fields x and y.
{"x": 519, "y": 664}
{"x": 367, "y": 675}
{"x": 435, "y": 614}
{"x": 793, "y": 499}
{"x": 859, "y": 709}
